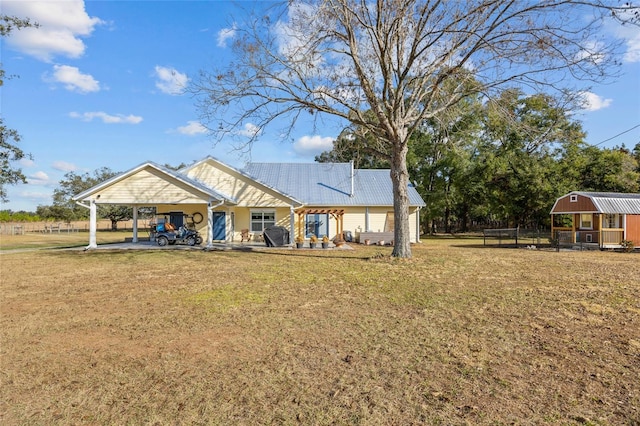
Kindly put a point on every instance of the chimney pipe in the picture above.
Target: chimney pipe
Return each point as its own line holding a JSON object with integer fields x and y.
{"x": 352, "y": 179}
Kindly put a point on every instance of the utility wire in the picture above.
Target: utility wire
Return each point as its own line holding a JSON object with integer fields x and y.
{"x": 619, "y": 134}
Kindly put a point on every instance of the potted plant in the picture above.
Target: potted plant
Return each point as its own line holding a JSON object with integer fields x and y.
{"x": 325, "y": 242}
{"x": 312, "y": 241}
{"x": 338, "y": 241}
{"x": 299, "y": 241}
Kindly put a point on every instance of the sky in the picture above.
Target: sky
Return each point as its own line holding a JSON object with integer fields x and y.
{"x": 99, "y": 84}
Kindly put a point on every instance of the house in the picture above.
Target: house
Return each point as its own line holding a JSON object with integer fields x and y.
{"x": 600, "y": 218}
{"x": 305, "y": 198}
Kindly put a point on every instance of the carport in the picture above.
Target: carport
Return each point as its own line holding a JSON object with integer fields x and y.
{"x": 152, "y": 185}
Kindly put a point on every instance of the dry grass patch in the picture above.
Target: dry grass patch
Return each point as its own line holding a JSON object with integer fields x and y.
{"x": 456, "y": 335}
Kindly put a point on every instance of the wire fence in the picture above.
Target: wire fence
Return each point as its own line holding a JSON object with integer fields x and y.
{"x": 516, "y": 237}
{"x": 47, "y": 227}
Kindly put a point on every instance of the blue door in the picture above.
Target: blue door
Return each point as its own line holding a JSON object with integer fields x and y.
{"x": 219, "y": 222}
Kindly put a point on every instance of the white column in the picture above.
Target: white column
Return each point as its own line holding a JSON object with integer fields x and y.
{"x": 417, "y": 224}
{"x": 93, "y": 224}
{"x": 135, "y": 224}
{"x": 292, "y": 224}
{"x": 209, "y": 225}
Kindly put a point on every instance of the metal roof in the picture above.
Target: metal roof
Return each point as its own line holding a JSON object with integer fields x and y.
{"x": 614, "y": 202}
{"x": 330, "y": 184}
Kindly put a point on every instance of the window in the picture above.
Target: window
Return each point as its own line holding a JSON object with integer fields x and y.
{"x": 573, "y": 198}
{"x": 586, "y": 221}
{"x": 611, "y": 221}
{"x": 317, "y": 224}
{"x": 262, "y": 219}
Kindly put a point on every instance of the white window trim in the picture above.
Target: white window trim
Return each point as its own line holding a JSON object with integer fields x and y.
{"x": 573, "y": 198}
{"x": 261, "y": 211}
{"x": 581, "y": 223}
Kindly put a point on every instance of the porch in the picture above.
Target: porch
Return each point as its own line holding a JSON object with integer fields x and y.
{"x": 603, "y": 238}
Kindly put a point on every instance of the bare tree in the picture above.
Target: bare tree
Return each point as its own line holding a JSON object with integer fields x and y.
{"x": 384, "y": 65}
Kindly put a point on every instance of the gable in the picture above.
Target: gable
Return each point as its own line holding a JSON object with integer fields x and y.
{"x": 581, "y": 204}
{"x": 147, "y": 184}
{"x": 244, "y": 190}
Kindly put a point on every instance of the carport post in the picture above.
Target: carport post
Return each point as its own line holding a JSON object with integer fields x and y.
{"x": 135, "y": 224}
{"x": 93, "y": 224}
{"x": 209, "y": 226}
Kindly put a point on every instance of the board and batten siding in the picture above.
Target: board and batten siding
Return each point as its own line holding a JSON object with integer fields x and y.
{"x": 582, "y": 204}
{"x": 148, "y": 186}
{"x": 633, "y": 228}
{"x": 236, "y": 186}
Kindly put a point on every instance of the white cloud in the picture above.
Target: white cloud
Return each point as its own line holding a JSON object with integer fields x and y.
{"x": 593, "y": 102}
{"x": 250, "y": 130}
{"x": 62, "y": 24}
{"x": 630, "y": 35}
{"x": 107, "y": 118}
{"x": 74, "y": 80}
{"x": 593, "y": 52}
{"x": 36, "y": 196}
{"x": 26, "y": 162}
{"x": 226, "y": 34}
{"x": 192, "y": 128}
{"x": 39, "y": 178}
{"x": 170, "y": 81}
{"x": 63, "y": 166}
{"x": 310, "y": 145}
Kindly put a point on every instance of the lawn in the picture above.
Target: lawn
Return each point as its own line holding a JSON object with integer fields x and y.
{"x": 460, "y": 334}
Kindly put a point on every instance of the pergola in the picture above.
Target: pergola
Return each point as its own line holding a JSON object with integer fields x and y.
{"x": 337, "y": 214}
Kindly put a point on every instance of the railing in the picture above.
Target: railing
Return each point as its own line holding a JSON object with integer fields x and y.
{"x": 612, "y": 235}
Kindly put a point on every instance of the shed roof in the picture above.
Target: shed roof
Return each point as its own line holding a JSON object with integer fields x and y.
{"x": 330, "y": 184}
{"x": 611, "y": 202}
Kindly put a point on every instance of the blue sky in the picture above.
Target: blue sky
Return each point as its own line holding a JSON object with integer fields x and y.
{"x": 98, "y": 85}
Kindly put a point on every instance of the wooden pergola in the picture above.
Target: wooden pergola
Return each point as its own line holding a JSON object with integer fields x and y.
{"x": 337, "y": 214}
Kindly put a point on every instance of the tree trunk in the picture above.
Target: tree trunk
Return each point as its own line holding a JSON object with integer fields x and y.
{"x": 400, "y": 180}
{"x": 114, "y": 225}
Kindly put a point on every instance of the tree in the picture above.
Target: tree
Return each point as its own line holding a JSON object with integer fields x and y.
{"x": 399, "y": 60}
{"x": 66, "y": 209}
{"x": 610, "y": 170}
{"x": 9, "y": 138}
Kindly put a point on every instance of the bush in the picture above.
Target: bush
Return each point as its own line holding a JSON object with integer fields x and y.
{"x": 627, "y": 245}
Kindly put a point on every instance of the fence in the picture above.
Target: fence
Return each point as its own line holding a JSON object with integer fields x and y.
{"x": 517, "y": 236}
{"x": 21, "y": 228}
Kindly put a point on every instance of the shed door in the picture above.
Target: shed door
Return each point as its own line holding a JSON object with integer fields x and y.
{"x": 219, "y": 225}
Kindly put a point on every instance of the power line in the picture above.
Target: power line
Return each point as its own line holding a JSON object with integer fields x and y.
{"x": 619, "y": 134}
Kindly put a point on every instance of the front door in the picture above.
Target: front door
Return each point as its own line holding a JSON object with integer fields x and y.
{"x": 219, "y": 226}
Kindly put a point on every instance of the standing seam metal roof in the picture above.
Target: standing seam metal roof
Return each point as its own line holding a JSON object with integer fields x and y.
{"x": 329, "y": 184}
{"x": 614, "y": 202}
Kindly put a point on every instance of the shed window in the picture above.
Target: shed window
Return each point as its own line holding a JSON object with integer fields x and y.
{"x": 586, "y": 221}
{"x": 573, "y": 198}
{"x": 262, "y": 219}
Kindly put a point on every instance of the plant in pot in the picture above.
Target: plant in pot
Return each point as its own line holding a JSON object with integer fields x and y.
{"x": 325, "y": 241}
{"x": 299, "y": 241}
{"x": 312, "y": 241}
{"x": 338, "y": 241}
